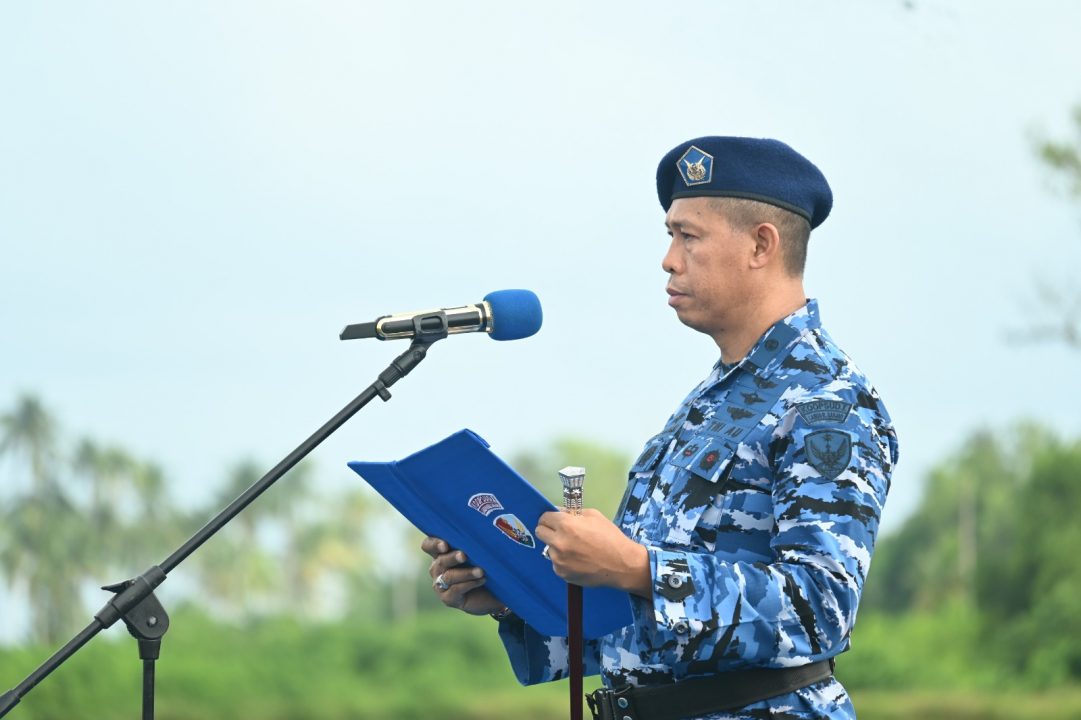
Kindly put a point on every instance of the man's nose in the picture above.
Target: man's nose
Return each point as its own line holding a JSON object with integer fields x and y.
{"x": 671, "y": 261}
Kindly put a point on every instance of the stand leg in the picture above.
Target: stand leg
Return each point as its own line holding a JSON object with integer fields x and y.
{"x": 148, "y": 690}
{"x": 149, "y": 651}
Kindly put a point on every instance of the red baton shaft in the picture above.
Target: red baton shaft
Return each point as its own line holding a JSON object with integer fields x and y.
{"x": 573, "y": 478}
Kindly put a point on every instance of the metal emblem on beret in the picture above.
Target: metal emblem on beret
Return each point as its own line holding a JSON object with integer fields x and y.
{"x": 695, "y": 167}
{"x": 829, "y": 452}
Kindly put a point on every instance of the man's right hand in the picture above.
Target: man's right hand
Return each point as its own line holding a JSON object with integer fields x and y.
{"x": 464, "y": 589}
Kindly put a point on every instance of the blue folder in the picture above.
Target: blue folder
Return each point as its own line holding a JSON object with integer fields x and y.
{"x": 460, "y": 491}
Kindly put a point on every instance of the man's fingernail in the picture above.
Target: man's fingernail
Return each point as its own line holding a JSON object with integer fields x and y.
{"x": 443, "y": 547}
{"x": 460, "y": 557}
{"x": 477, "y": 572}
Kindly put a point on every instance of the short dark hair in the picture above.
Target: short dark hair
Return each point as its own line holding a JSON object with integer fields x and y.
{"x": 795, "y": 231}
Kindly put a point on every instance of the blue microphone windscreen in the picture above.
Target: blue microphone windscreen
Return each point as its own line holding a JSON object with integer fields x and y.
{"x": 516, "y": 314}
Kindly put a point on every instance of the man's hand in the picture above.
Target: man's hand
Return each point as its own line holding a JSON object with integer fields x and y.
{"x": 589, "y": 550}
{"x": 464, "y": 589}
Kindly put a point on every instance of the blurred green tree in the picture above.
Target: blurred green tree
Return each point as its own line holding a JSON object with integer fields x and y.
{"x": 43, "y": 548}
{"x": 1060, "y": 315}
{"x": 28, "y": 431}
{"x": 996, "y": 533}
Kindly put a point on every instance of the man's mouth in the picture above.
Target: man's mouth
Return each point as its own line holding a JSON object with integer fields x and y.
{"x": 674, "y": 296}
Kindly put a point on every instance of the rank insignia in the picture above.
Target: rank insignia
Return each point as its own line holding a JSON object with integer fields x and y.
{"x": 690, "y": 450}
{"x": 695, "y": 167}
{"x": 485, "y": 503}
{"x": 739, "y": 413}
{"x": 513, "y": 528}
{"x": 709, "y": 460}
{"x": 829, "y": 452}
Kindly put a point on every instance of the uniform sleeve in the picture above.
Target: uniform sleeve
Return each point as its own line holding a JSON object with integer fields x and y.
{"x": 830, "y": 482}
{"x": 537, "y": 658}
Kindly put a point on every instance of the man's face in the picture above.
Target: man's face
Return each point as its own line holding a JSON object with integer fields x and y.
{"x": 707, "y": 266}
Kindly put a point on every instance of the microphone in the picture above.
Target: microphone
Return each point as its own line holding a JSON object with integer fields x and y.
{"x": 503, "y": 314}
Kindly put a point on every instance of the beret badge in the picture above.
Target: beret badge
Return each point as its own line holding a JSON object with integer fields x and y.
{"x": 695, "y": 167}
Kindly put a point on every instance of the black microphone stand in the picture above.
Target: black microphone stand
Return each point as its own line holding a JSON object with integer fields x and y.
{"x": 134, "y": 601}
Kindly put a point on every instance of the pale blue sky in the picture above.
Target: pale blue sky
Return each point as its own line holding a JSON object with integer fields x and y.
{"x": 196, "y": 197}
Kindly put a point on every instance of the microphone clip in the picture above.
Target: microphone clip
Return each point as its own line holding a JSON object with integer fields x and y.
{"x": 430, "y": 327}
{"x": 427, "y": 328}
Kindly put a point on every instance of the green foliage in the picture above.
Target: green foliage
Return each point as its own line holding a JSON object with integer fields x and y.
{"x": 1062, "y": 301}
{"x": 996, "y": 532}
{"x": 952, "y": 705}
{"x": 445, "y": 665}
{"x": 94, "y": 513}
{"x": 1065, "y": 156}
{"x": 919, "y": 650}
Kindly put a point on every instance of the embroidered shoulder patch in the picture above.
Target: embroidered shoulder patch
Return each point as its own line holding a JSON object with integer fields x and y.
{"x": 828, "y": 451}
{"x": 820, "y": 412}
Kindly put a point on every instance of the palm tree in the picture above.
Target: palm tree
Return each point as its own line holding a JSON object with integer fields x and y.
{"x": 42, "y": 546}
{"x": 45, "y": 555}
{"x": 107, "y": 470}
{"x": 29, "y": 430}
{"x": 232, "y": 566}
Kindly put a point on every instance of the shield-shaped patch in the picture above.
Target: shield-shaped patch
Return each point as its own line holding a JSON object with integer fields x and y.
{"x": 828, "y": 451}
{"x": 513, "y": 528}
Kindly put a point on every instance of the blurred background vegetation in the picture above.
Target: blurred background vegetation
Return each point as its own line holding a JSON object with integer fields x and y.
{"x": 972, "y": 609}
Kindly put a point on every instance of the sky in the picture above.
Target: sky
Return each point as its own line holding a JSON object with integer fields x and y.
{"x": 196, "y": 197}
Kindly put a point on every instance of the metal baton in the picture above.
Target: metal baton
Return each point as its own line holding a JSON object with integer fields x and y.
{"x": 573, "y": 478}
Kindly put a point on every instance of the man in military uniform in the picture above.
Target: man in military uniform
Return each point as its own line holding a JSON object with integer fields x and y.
{"x": 748, "y": 523}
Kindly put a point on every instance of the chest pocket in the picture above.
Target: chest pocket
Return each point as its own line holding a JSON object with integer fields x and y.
{"x": 640, "y": 479}
{"x": 687, "y": 483}
{"x": 652, "y": 453}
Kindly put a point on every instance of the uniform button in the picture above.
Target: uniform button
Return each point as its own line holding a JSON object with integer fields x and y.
{"x": 675, "y": 582}
{"x": 771, "y": 344}
{"x": 623, "y": 703}
{"x": 680, "y": 628}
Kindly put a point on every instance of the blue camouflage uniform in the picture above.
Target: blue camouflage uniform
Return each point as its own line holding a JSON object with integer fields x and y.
{"x": 759, "y": 504}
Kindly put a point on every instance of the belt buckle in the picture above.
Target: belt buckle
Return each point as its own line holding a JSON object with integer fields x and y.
{"x": 597, "y": 701}
{"x": 607, "y": 704}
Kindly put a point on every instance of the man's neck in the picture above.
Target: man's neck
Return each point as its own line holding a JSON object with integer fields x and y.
{"x": 736, "y": 342}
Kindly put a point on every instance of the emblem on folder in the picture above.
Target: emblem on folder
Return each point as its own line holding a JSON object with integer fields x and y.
{"x": 485, "y": 503}
{"x": 513, "y": 528}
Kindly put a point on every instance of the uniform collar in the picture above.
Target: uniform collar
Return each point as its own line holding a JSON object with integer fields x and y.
{"x": 777, "y": 342}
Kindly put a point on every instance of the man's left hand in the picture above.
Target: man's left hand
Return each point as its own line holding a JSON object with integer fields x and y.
{"x": 589, "y": 550}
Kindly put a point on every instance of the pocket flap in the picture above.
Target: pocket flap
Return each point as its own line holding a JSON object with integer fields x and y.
{"x": 651, "y": 453}
{"x": 706, "y": 456}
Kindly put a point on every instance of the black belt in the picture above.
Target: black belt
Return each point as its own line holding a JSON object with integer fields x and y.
{"x": 704, "y": 695}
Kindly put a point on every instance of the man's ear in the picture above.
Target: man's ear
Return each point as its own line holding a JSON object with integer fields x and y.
{"x": 767, "y": 246}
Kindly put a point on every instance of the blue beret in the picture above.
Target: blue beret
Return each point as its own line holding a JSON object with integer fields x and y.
{"x": 755, "y": 169}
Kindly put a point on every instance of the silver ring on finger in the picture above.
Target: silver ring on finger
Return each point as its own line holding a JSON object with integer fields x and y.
{"x": 440, "y": 583}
